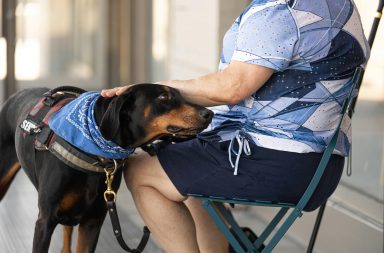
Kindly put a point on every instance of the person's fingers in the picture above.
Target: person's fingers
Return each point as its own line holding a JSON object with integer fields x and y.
{"x": 122, "y": 89}
{"x": 117, "y": 91}
{"x": 110, "y": 92}
{"x": 104, "y": 93}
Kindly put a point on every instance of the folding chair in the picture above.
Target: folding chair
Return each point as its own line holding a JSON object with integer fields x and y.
{"x": 238, "y": 239}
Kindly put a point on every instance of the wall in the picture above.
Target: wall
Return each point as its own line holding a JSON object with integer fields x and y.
{"x": 196, "y": 31}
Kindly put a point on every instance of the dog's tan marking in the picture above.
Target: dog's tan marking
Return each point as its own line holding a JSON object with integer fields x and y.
{"x": 6, "y": 181}
{"x": 184, "y": 117}
{"x": 69, "y": 201}
{"x": 147, "y": 110}
{"x": 67, "y": 239}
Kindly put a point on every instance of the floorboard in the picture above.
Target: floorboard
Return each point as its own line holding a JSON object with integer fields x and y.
{"x": 18, "y": 213}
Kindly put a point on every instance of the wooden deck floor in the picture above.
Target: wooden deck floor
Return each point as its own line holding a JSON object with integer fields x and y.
{"x": 18, "y": 213}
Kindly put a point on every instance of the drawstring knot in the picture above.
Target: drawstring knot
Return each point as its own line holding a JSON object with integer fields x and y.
{"x": 243, "y": 143}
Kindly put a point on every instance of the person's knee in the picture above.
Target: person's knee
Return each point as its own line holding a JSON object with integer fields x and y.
{"x": 134, "y": 171}
{"x": 143, "y": 171}
{"x": 129, "y": 177}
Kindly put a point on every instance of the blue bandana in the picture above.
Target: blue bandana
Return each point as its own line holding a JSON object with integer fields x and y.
{"x": 76, "y": 124}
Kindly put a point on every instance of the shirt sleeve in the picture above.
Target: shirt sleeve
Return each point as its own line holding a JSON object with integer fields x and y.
{"x": 267, "y": 36}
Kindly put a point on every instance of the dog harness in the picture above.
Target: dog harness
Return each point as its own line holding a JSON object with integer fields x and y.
{"x": 56, "y": 139}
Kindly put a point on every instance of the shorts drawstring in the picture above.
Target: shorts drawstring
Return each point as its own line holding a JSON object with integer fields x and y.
{"x": 243, "y": 146}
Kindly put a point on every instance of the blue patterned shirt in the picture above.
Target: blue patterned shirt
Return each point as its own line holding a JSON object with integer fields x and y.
{"x": 314, "y": 47}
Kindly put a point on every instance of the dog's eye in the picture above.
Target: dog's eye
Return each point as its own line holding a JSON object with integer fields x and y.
{"x": 163, "y": 97}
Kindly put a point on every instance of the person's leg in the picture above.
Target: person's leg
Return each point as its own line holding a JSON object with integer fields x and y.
{"x": 161, "y": 207}
{"x": 209, "y": 237}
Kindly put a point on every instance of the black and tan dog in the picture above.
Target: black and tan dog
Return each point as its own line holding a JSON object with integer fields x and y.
{"x": 70, "y": 197}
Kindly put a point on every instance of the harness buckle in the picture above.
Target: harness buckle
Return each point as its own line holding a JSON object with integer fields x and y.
{"x": 110, "y": 193}
{"x": 109, "y": 174}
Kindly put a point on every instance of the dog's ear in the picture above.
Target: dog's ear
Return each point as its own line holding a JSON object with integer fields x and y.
{"x": 110, "y": 122}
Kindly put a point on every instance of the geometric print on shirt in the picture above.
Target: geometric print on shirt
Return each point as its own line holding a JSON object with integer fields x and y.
{"x": 314, "y": 46}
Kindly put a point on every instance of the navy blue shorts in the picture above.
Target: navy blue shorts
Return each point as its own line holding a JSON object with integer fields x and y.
{"x": 203, "y": 168}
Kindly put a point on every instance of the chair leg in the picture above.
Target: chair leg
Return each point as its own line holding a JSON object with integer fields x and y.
{"x": 271, "y": 226}
{"x": 234, "y": 226}
{"x": 223, "y": 219}
{"x": 222, "y": 226}
{"x": 316, "y": 228}
{"x": 282, "y": 230}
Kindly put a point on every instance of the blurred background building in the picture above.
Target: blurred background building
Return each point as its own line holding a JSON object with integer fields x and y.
{"x": 96, "y": 44}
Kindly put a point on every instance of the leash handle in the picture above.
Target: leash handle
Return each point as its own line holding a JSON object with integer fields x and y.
{"x": 117, "y": 230}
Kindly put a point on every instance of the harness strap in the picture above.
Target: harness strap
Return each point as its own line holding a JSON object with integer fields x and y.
{"x": 36, "y": 125}
{"x": 74, "y": 157}
{"x": 117, "y": 230}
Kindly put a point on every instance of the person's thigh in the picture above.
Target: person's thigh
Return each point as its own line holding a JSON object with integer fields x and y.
{"x": 144, "y": 170}
{"x": 198, "y": 167}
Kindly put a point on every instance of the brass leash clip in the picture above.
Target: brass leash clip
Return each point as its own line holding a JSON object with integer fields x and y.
{"x": 109, "y": 173}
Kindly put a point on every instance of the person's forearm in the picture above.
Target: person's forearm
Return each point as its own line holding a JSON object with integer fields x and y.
{"x": 230, "y": 86}
{"x": 237, "y": 82}
{"x": 209, "y": 90}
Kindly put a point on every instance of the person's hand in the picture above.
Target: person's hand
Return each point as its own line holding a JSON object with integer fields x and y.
{"x": 114, "y": 91}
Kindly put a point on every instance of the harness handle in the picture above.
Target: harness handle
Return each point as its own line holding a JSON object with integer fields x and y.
{"x": 67, "y": 89}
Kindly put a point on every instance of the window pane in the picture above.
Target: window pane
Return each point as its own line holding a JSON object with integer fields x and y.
{"x": 59, "y": 40}
{"x": 160, "y": 41}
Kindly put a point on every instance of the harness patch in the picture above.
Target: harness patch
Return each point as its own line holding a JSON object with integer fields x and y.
{"x": 29, "y": 126}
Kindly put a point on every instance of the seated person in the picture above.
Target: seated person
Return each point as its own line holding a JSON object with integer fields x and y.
{"x": 283, "y": 76}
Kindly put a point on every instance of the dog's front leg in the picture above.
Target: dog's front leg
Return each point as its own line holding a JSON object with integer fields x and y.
{"x": 43, "y": 232}
{"x": 88, "y": 234}
{"x": 67, "y": 239}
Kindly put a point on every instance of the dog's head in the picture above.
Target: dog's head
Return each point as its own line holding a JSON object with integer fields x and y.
{"x": 146, "y": 112}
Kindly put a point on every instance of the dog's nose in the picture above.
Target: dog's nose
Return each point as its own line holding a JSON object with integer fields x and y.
{"x": 206, "y": 114}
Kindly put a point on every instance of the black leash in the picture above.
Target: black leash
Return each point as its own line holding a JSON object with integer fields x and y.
{"x": 110, "y": 199}
{"x": 117, "y": 230}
